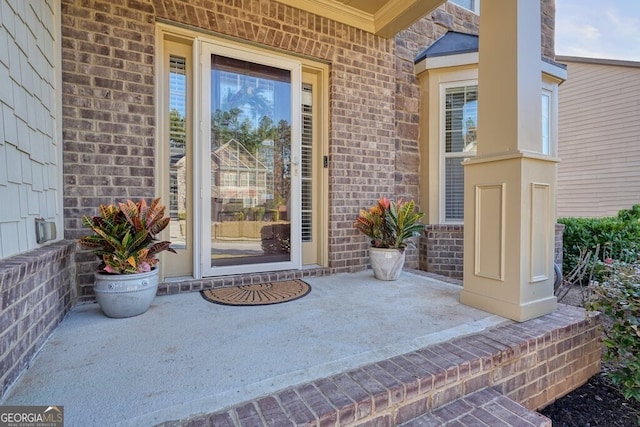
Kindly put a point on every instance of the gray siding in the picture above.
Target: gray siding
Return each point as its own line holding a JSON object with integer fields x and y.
{"x": 30, "y": 142}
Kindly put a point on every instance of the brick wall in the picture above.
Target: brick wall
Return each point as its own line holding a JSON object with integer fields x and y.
{"x": 37, "y": 290}
{"x": 108, "y": 110}
{"x": 548, "y": 18}
{"x": 442, "y": 250}
{"x": 108, "y": 60}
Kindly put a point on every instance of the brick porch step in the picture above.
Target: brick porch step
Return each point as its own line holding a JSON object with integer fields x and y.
{"x": 472, "y": 378}
{"x": 486, "y": 407}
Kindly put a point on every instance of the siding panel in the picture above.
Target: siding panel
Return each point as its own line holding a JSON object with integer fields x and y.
{"x": 28, "y": 153}
{"x": 598, "y": 138}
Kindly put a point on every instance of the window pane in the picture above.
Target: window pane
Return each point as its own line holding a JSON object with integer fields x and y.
{"x": 461, "y": 118}
{"x": 460, "y": 130}
{"x": 251, "y": 162}
{"x": 178, "y": 150}
{"x": 546, "y": 122}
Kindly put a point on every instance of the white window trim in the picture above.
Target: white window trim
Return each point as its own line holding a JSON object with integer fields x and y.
{"x": 441, "y": 146}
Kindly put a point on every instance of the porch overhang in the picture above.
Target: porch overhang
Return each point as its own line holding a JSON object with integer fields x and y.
{"x": 384, "y": 18}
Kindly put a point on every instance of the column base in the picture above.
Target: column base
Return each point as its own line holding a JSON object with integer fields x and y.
{"x": 510, "y": 310}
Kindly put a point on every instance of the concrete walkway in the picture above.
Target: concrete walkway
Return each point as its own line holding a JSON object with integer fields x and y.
{"x": 187, "y": 356}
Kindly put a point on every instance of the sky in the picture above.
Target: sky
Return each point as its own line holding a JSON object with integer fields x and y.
{"x": 607, "y": 29}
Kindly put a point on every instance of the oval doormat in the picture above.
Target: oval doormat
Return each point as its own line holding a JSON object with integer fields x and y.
{"x": 258, "y": 294}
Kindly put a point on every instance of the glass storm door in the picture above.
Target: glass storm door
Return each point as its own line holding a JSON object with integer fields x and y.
{"x": 250, "y": 161}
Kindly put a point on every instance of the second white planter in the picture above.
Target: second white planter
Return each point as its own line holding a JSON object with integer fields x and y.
{"x": 386, "y": 264}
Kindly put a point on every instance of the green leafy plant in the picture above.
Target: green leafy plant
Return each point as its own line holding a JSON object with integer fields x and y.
{"x": 389, "y": 224}
{"x": 618, "y": 298}
{"x": 618, "y": 238}
{"x": 124, "y": 236}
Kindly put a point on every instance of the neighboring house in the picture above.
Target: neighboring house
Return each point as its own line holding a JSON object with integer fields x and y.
{"x": 100, "y": 99}
{"x": 599, "y": 137}
{"x": 239, "y": 175}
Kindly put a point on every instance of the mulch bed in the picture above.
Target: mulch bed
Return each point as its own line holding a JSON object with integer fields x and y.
{"x": 597, "y": 403}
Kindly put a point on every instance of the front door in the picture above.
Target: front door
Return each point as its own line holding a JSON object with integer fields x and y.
{"x": 249, "y": 161}
{"x": 243, "y": 142}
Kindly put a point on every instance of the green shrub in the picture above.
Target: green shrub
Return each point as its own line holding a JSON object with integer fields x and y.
{"x": 617, "y": 238}
{"x": 629, "y": 215}
{"x": 618, "y": 298}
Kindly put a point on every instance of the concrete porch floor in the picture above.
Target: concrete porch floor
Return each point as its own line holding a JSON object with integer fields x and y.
{"x": 187, "y": 356}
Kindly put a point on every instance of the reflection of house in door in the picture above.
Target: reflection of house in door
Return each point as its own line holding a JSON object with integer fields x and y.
{"x": 239, "y": 181}
{"x": 180, "y": 193}
{"x": 243, "y": 196}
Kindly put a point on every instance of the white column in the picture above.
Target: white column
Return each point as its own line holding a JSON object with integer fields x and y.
{"x": 510, "y": 186}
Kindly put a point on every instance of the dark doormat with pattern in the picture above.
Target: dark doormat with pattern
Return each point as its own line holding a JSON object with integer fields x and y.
{"x": 258, "y": 294}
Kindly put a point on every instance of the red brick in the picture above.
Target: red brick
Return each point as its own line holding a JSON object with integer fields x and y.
{"x": 295, "y": 408}
{"x": 363, "y": 400}
{"x": 412, "y": 410}
{"x": 373, "y": 387}
{"x": 221, "y": 420}
{"x": 318, "y": 404}
{"x": 477, "y": 382}
{"x": 345, "y": 406}
{"x": 446, "y": 395}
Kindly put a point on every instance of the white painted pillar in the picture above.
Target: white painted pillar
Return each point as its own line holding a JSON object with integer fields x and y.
{"x": 510, "y": 185}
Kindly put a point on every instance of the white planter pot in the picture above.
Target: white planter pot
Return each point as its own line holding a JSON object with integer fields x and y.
{"x": 125, "y": 295}
{"x": 386, "y": 263}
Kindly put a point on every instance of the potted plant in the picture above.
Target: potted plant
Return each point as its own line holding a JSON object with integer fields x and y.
{"x": 125, "y": 240}
{"x": 389, "y": 225}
